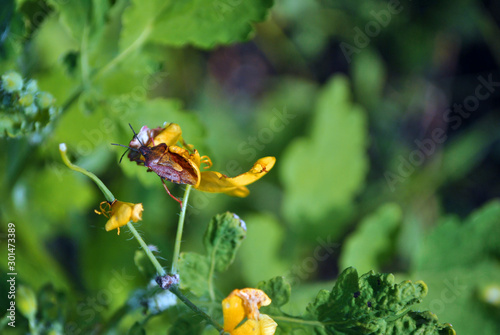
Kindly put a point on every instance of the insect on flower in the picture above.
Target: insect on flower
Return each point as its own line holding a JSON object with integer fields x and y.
{"x": 170, "y": 163}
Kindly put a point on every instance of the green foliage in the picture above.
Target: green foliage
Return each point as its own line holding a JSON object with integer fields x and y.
{"x": 203, "y": 24}
{"x": 370, "y": 245}
{"x": 325, "y": 170}
{"x": 80, "y": 71}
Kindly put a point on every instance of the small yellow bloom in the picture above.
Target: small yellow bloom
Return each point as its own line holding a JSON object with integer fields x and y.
{"x": 188, "y": 162}
{"x": 245, "y": 303}
{"x": 120, "y": 213}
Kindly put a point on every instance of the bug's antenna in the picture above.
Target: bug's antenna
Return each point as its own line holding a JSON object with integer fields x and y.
{"x": 135, "y": 135}
{"x": 128, "y": 148}
{"x": 123, "y": 155}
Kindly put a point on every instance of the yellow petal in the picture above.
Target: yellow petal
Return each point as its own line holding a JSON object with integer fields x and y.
{"x": 233, "y": 311}
{"x": 264, "y": 326}
{"x": 136, "y": 212}
{"x": 253, "y": 299}
{"x": 121, "y": 214}
{"x": 259, "y": 169}
{"x": 170, "y": 135}
{"x": 267, "y": 325}
{"x": 216, "y": 182}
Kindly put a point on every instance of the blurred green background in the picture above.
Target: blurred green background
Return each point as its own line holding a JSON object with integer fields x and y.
{"x": 383, "y": 117}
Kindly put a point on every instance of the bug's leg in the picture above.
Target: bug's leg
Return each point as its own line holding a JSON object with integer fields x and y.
{"x": 170, "y": 194}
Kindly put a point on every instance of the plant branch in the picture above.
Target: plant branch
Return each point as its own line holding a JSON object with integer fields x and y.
{"x": 107, "y": 193}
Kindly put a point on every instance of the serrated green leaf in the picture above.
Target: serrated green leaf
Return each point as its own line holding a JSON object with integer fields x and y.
{"x": 278, "y": 289}
{"x": 201, "y": 23}
{"x": 193, "y": 273}
{"x": 324, "y": 171}
{"x": 362, "y": 305}
{"x": 422, "y": 323}
{"x": 369, "y": 245}
{"x": 222, "y": 239}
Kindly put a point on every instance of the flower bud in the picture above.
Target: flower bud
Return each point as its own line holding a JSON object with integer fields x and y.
{"x": 12, "y": 82}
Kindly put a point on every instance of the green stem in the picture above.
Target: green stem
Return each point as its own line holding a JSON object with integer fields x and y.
{"x": 211, "y": 275}
{"x": 107, "y": 193}
{"x": 175, "y": 290}
{"x": 180, "y": 228}
{"x": 311, "y": 323}
{"x": 148, "y": 252}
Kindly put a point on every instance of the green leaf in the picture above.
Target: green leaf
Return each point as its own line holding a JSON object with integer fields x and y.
{"x": 278, "y": 289}
{"x": 457, "y": 260}
{"x": 222, "y": 239}
{"x": 74, "y": 15}
{"x": 201, "y": 23}
{"x": 193, "y": 273}
{"x": 324, "y": 171}
{"x": 371, "y": 243}
{"x": 364, "y": 305}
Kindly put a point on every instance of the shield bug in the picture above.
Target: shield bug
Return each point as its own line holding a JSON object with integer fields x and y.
{"x": 170, "y": 163}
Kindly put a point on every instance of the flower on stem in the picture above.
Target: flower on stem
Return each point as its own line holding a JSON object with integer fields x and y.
{"x": 245, "y": 303}
{"x": 185, "y": 162}
{"x": 120, "y": 213}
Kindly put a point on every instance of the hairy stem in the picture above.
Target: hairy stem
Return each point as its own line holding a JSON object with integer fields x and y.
{"x": 161, "y": 271}
{"x": 180, "y": 228}
{"x": 175, "y": 290}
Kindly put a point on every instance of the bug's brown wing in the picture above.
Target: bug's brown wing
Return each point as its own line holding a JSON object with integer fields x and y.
{"x": 170, "y": 166}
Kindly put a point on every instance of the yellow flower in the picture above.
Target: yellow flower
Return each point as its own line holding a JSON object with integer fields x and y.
{"x": 185, "y": 162}
{"x": 246, "y": 303}
{"x": 120, "y": 213}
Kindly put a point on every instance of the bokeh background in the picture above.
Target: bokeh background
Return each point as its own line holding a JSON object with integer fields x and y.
{"x": 383, "y": 116}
